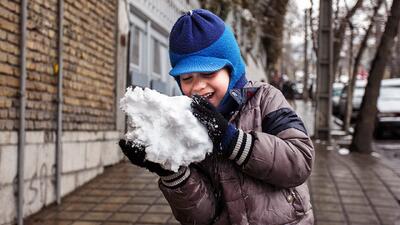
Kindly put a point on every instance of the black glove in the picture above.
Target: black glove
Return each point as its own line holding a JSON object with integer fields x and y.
{"x": 220, "y": 131}
{"x": 137, "y": 155}
{"x": 227, "y": 139}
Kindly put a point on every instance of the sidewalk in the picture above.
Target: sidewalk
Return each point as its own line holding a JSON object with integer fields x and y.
{"x": 354, "y": 189}
{"x": 345, "y": 189}
{"x": 123, "y": 194}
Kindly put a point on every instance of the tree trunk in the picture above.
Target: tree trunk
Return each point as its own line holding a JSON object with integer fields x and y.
{"x": 305, "y": 77}
{"x": 395, "y": 68}
{"x": 313, "y": 32}
{"x": 353, "y": 75}
{"x": 362, "y": 139}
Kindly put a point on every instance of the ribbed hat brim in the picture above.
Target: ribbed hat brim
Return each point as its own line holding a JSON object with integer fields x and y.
{"x": 199, "y": 64}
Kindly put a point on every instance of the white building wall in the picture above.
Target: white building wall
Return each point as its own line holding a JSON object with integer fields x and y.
{"x": 84, "y": 155}
{"x": 154, "y": 20}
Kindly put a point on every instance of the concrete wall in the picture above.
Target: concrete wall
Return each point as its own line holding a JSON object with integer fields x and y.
{"x": 84, "y": 155}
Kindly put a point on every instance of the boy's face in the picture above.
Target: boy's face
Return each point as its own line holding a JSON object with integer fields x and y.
{"x": 212, "y": 86}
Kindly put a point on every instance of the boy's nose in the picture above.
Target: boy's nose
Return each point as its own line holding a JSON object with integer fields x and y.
{"x": 198, "y": 84}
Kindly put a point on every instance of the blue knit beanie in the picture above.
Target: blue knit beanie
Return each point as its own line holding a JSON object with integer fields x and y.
{"x": 201, "y": 42}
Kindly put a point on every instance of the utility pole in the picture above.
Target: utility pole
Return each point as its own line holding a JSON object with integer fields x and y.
{"x": 324, "y": 73}
{"x": 305, "y": 77}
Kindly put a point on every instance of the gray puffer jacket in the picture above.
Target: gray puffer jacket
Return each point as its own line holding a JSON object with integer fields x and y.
{"x": 269, "y": 188}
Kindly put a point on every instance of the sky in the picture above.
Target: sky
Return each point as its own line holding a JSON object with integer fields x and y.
{"x": 304, "y": 4}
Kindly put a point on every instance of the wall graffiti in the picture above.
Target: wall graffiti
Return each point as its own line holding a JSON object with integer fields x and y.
{"x": 38, "y": 185}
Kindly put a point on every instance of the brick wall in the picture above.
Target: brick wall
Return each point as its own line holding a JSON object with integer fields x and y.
{"x": 9, "y": 53}
{"x": 89, "y": 64}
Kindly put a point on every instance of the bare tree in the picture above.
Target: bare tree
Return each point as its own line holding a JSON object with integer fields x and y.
{"x": 353, "y": 75}
{"x": 273, "y": 38}
{"x": 339, "y": 33}
{"x": 395, "y": 66}
{"x": 362, "y": 139}
{"x": 313, "y": 30}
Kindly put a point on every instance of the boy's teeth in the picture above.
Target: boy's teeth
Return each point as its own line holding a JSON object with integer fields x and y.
{"x": 207, "y": 95}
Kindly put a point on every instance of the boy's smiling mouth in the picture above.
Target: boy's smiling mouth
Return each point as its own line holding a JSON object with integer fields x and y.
{"x": 208, "y": 95}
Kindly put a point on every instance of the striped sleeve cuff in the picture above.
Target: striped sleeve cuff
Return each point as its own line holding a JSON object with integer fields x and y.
{"x": 242, "y": 148}
{"x": 177, "y": 179}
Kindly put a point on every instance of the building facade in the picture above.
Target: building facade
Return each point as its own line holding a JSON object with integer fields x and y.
{"x": 89, "y": 132}
{"x": 99, "y": 60}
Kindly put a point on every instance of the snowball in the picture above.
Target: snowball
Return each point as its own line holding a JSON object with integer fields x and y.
{"x": 166, "y": 126}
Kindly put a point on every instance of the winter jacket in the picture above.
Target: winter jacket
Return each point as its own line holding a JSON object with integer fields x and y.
{"x": 269, "y": 188}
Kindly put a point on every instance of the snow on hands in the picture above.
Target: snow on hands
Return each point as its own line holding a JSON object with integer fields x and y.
{"x": 166, "y": 126}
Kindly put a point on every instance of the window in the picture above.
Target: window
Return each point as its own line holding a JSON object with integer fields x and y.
{"x": 156, "y": 57}
{"x": 136, "y": 46}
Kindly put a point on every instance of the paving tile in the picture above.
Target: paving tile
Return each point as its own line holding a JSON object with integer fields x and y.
{"x": 320, "y": 185}
{"x": 85, "y": 223}
{"x": 350, "y": 192}
{"x": 327, "y": 223}
{"x": 110, "y": 186}
{"x": 363, "y": 218}
{"x": 71, "y": 198}
{"x": 326, "y": 198}
{"x": 108, "y": 207}
{"x": 323, "y": 206}
{"x": 160, "y": 209}
{"x": 128, "y": 193}
{"x": 117, "y": 223}
{"x": 133, "y": 186}
{"x": 64, "y": 215}
{"x": 153, "y": 193}
{"x": 162, "y": 200}
{"x": 125, "y": 217}
{"x": 355, "y": 200}
{"x": 380, "y": 194}
{"x": 79, "y": 206}
{"x": 101, "y": 192}
{"x": 173, "y": 221}
{"x": 324, "y": 191}
{"x": 388, "y": 202}
{"x": 353, "y": 208}
{"x": 134, "y": 208}
{"x": 388, "y": 211}
{"x": 329, "y": 216}
{"x": 152, "y": 186}
{"x": 115, "y": 199}
{"x": 347, "y": 185}
{"x": 154, "y": 218}
{"x": 50, "y": 222}
{"x": 142, "y": 180}
{"x": 142, "y": 200}
{"x": 96, "y": 216}
{"x": 90, "y": 199}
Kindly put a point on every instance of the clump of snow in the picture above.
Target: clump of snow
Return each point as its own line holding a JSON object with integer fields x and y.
{"x": 166, "y": 125}
{"x": 344, "y": 151}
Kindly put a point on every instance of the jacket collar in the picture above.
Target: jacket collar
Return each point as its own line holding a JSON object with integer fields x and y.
{"x": 242, "y": 95}
{"x": 237, "y": 98}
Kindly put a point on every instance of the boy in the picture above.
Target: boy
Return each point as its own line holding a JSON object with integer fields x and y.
{"x": 262, "y": 154}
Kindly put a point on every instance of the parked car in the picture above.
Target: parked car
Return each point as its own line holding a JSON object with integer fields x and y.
{"x": 388, "y": 117}
{"x": 358, "y": 94}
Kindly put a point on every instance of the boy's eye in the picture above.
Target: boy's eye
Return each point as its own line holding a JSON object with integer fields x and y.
{"x": 186, "y": 78}
{"x": 208, "y": 74}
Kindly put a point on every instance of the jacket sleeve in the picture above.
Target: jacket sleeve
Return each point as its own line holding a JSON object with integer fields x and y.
{"x": 282, "y": 153}
{"x": 194, "y": 201}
